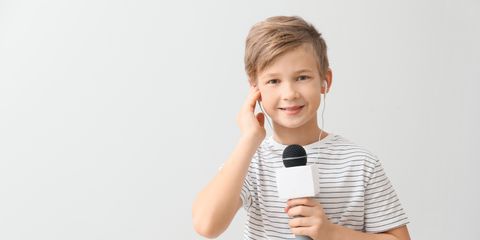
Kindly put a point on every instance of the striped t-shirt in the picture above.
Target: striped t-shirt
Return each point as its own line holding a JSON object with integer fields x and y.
{"x": 354, "y": 190}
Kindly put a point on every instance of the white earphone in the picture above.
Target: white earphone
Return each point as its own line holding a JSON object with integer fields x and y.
{"x": 325, "y": 85}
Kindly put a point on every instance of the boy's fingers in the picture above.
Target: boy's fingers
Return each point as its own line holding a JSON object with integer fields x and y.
{"x": 261, "y": 119}
{"x": 302, "y": 231}
{"x": 301, "y": 201}
{"x": 300, "y": 222}
{"x": 300, "y": 210}
{"x": 252, "y": 98}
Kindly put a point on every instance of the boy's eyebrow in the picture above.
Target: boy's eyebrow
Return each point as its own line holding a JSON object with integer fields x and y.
{"x": 270, "y": 75}
{"x": 303, "y": 70}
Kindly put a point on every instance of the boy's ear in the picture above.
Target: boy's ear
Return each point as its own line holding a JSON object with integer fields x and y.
{"x": 254, "y": 84}
{"x": 327, "y": 82}
{"x": 259, "y": 97}
{"x": 251, "y": 82}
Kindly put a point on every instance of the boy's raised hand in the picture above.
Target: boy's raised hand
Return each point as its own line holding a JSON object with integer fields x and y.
{"x": 251, "y": 125}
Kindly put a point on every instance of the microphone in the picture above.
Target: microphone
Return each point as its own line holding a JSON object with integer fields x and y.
{"x": 297, "y": 179}
{"x": 294, "y": 156}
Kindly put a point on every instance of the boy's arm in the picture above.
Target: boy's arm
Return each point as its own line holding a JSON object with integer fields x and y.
{"x": 400, "y": 233}
{"x": 216, "y": 205}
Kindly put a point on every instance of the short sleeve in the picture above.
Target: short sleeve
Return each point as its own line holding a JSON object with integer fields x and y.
{"x": 245, "y": 193}
{"x": 248, "y": 188}
{"x": 383, "y": 210}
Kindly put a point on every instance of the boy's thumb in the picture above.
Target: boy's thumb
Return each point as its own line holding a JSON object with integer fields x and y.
{"x": 260, "y": 118}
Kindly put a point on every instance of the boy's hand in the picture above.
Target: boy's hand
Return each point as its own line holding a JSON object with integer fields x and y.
{"x": 250, "y": 125}
{"x": 308, "y": 219}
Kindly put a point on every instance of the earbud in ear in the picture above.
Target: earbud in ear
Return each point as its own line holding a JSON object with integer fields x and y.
{"x": 325, "y": 86}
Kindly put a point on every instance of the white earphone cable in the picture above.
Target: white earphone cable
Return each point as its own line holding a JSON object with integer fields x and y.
{"x": 323, "y": 109}
{"x": 265, "y": 115}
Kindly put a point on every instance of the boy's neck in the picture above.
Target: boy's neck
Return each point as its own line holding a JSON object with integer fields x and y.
{"x": 304, "y": 135}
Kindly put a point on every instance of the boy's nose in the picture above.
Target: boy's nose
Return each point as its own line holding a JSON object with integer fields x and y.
{"x": 289, "y": 92}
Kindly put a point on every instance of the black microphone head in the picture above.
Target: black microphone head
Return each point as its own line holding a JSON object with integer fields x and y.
{"x": 294, "y": 156}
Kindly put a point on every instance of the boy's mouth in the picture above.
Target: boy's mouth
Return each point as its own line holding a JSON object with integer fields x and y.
{"x": 292, "y": 109}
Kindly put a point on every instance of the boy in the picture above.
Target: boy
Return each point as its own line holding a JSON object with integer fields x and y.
{"x": 288, "y": 70}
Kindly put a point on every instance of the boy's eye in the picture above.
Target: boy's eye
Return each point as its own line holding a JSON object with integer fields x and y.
{"x": 272, "y": 81}
{"x": 303, "y": 77}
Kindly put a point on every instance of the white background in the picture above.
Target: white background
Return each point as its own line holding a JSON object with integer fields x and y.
{"x": 114, "y": 114}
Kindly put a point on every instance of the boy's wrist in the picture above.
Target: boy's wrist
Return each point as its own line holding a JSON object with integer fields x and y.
{"x": 334, "y": 231}
{"x": 252, "y": 138}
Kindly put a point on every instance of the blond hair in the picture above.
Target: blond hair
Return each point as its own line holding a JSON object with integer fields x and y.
{"x": 277, "y": 35}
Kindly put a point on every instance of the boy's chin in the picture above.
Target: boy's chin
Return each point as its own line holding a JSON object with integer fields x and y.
{"x": 290, "y": 124}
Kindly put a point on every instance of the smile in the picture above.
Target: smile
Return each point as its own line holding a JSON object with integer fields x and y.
{"x": 292, "y": 110}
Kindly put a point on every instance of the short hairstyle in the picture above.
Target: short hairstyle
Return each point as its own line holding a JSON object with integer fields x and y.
{"x": 277, "y": 35}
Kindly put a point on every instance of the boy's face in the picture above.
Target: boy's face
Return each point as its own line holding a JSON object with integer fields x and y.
{"x": 290, "y": 88}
